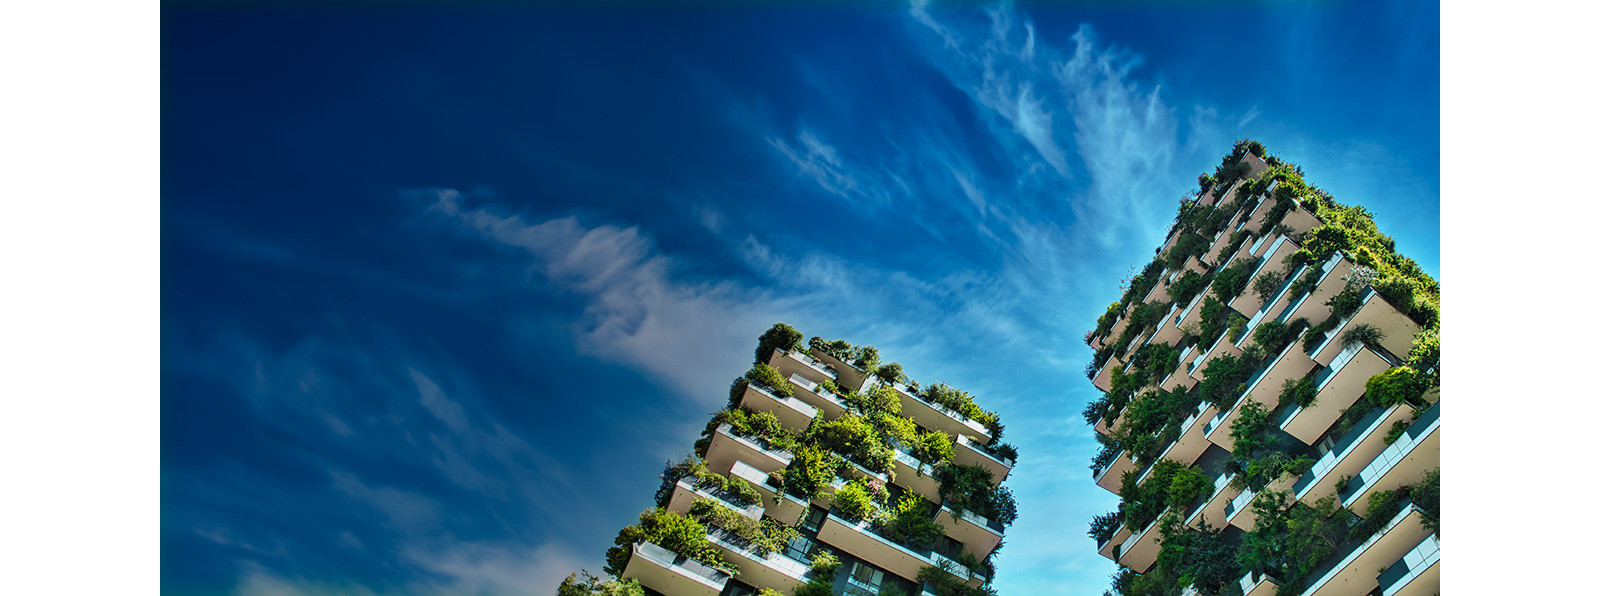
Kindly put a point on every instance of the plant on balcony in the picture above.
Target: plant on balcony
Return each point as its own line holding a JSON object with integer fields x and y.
{"x": 1187, "y": 286}
{"x": 1425, "y": 495}
{"x": 933, "y": 448}
{"x": 760, "y": 537}
{"x": 1104, "y": 526}
{"x": 946, "y": 583}
{"x": 1301, "y": 392}
{"x": 1232, "y": 281}
{"x": 814, "y": 588}
{"x": 1424, "y": 356}
{"x": 778, "y": 337}
{"x": 1395, "y": 431}
{"x": 910, "y": 522}
{"x": 1004, "y": 451}
{"x": 824, "y": 563}
{"x": 1266, "y": 285}
{"x": 857, "y": 500}
{"x": 1106, "y": 321}
{"x": 1397, "y": 385}
{"x": 880, "y": 399}
{"x": 864, "y": 358}
{"x": 736, "y": 490}
{"x": 769, "y": 377}
{"x": 677, "y": 533}
{"x": 811, "y": 469}
{"x": 1364, "y": 333}
{"x": 1289, "y": 541}
{"x": 1225, "y": 376}
{"x": 853, "y": 437}
{"x": 1205, "y": 558}
{"x": 972, "y": 488}
{"x": 1142, "y": 503}
{"x": 1189, "y": 245}
{"x": 589, "y": 585}
{"x": 891, "y": 373}
{"x": 763, "y": 427}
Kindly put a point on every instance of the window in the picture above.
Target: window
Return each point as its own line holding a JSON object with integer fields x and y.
{"x": 799, "y": 549}
{"x": 813, "y": 519}
{"x": 864, "y": 580}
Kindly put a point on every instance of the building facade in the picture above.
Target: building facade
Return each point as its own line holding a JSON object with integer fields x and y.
{"x": 827, "y": 473}
{"x": 1271, "y": 416}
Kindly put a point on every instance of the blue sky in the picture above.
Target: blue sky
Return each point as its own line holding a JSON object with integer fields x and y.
{"x": 442, "y": 288}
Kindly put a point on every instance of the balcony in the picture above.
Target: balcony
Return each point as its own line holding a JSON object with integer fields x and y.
{"x": 668, "y": 572}
{"x": 1375, "y": 311}
{"x": 775, "y": 570}
{"x": 1191, "y": 441}
{"x": 1337, "y": 386}
{"x": 1353, "y": 451}
{"x": 1167, "y": 331}
{"x": 970, "y": 453}
{"x": 779, "y": 505}
{"x": 1354, "y": 568}
{"x": 1276, "y": 305}
{"x": 938, "y": 417}
{"x": 1102, "y": 379}
{"x": 727, "y": 448}
{"x": 1240, "y": 514}
{"x": 1264, "y": 387}
{"x": 1300, "y": 221}
{"x": 1258, "y": 584}
{"x": 1216, "y": 506}
{"x": 1110, "y": 478}
{"x": 914, "y": 474}
{"x": 1415, "y": 574}
{"x": 822, "y": 400}
{"x": 1247, "y": 302}
{"x": 796, "y": 415}
{"x": 1404, "y": 462}
{"x": 1252, "y": 221}
{"x": 685, "y": 494}
{"x": 791, "y": 363}
{"x": 1112, "y": 547}
{"x": 850, "y": 378}
{"x": 978, "y": 533}
{"x": 859, "y": 539}
{"x": 1140, "y": 550}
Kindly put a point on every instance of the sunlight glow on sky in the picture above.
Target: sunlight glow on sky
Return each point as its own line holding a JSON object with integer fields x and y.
{"x": 443, "y": 288}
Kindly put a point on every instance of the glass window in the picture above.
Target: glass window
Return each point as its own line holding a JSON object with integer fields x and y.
{"x": 799, "y": 549}
{"x": 813, "y": 519}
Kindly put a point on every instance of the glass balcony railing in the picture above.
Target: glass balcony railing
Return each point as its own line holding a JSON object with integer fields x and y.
{"x": 780, "y": 562}
{"x": 1362, "y": 429}
{"x": 814, "y": 364}
{"x": 1410, "y": 566}
{"x": 1393, "y": 454}
{"x": 699, "y": 572}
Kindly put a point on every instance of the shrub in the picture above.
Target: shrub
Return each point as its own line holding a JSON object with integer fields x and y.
{"x": 1232, "y": 281}
{"x": 1187, "y": 485}
{"x": 1395, "y": 386}
{"x": 1364, "y": 333}
{"x": 590, "y": 585}
{"x": 934, "y": 447}
{"x": 762, "y": 374}
{"x": 824, "y": 562}
{"x": 811, "y": 469}
{"x": 891, "y": 373}
{"x": 1395, "y": 430}
{"x": 677, "y": 533}
{"x": 854, "y": 502}
{"x": 1345, "y": 303}
{"x": 1104, "y": 526}
{"x": 911, "y": 522}
{"x": 1266, "y": 285}
{"x": 815, "y": 587}
{"x": 1004, "y": 451}
{"x": 778, "y": 337}
{"x": 1302, "y": 392}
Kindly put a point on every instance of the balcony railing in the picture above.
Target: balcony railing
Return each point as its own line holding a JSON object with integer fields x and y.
{"x": 1386, "y": 460}
{"x": 815, "y": 364}
{"x": 742, "y": 546}
{"x": 670, "y": 572}
{"x": 1410, "y": 567}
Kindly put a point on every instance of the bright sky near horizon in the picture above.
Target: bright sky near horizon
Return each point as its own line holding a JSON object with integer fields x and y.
{"x": 443, "y": 287}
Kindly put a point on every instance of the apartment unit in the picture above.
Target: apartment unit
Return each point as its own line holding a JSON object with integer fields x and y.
{"x": 1271, "y": 416}
{"x": 827, "y": 473}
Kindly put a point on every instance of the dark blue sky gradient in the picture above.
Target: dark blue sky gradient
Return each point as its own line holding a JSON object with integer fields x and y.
{"x": 442, "y": 287}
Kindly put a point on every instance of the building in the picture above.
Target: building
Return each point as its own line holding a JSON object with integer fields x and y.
{"x": 1271, "y": 415}
{"x": 827, "y": 473}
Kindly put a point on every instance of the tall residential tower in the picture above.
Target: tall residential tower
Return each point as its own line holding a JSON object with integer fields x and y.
{"x": 827, "y": 473}
{"x": 1271, "y": 411}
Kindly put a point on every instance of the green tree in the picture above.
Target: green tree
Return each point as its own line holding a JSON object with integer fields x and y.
{"x": 778, "y": 337}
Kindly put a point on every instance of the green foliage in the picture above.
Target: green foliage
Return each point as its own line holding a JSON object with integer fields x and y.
{"x": 778, "y": 337}
{"x": 911, "y": 522}
{"x": 1249, "y": 430}
{"x": 854, "y": 501}
{"x": 946, "y": 583}
{"x": 1104, "y": 526}
{"x": 1203, "y": 558}
{"x": 891, "y": 373}
{"x": 1266, "y": 285}
{"x": 1364, "y": 333}
{"x": 589, "y": 585}
{"x": 768, "y": 376}
{"x": 1302, "y": 391}
{"x": 1345, "y": 303}
{"x": 1189, "y": 244}
{"x": 764, "y": 537}
{"x": 880, "y": 399}
{"x": 764, "y": 427}
{"x": 934, "y": 447}
{"x": 1397, "y": 385}
{"x": 1425, "y": 495}
{"x": 1424, "y": 355}
{"x": 1289, "y": 542}
{"x": 1108, "y": 320}
{"x": 824, "y": 563}
{"x": 1187, "y": 286}
{"x": 814, "y": 587}
{"x": 1395, "y": 431}
{"x": 854, "y": 438}
{"x": 1225, "y": 377}
{"x": 674, "y": 532}
{"x": 1274, "y": 336}
{"x": 1233, "y": 280}
{"x": 811, "y": 469}
{"x": 1187, "y": 485}
{"x": 964, "y": 487}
